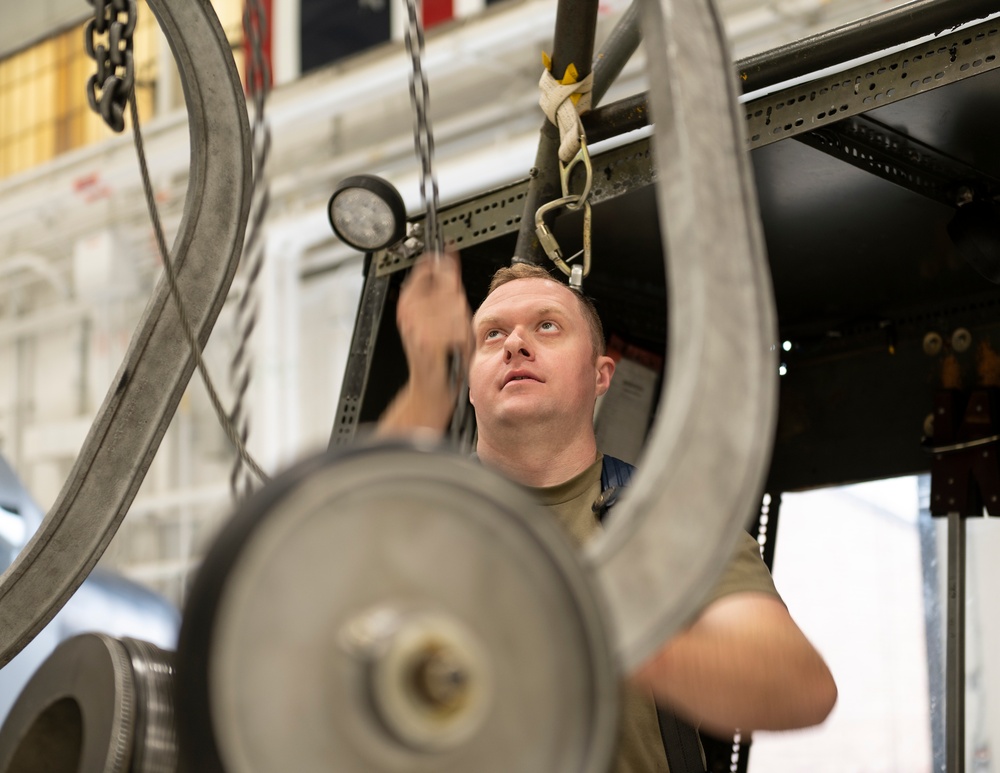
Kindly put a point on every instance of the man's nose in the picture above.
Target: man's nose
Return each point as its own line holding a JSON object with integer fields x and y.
{"x": 515, "y": 344}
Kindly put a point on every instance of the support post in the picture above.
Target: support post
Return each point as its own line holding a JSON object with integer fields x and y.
{"x": 955, "y": 668}
{"x": 576, "y": 26}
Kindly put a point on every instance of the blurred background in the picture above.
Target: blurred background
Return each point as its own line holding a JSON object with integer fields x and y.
{"x": 78, "y": 262}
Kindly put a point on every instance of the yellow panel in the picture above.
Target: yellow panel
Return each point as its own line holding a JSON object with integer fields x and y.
{"x": 48, "y": 84}
{"x": 95, "y": 130}
{"x": 43, "y": 91}
{"x": 47, "y": 141}
{"x": 14, "y": 107}
{"x": 29, "y": 150}
{"x": 17, "y": 156}
{"x": 230, "y": 13}
{"x": 28, "y": 116}
{"x": 6, "y": 111}
{"x": 47, "y": 54}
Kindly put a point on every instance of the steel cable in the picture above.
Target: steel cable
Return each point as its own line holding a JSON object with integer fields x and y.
{"x": 241, "y": 366}
{"x": 169, "y": 271}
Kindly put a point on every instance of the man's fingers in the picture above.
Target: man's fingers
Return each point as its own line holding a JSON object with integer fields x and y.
{"x": 432, "y": 266}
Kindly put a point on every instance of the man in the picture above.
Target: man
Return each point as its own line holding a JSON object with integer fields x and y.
{"x": 536, "y": 367}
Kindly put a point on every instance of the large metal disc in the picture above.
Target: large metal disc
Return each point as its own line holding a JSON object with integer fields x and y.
{"x": 156, "y": 369}
{"x": 701, "y": 475}
{"x": 304, "y": 642}
{"x": 76, "y": 714}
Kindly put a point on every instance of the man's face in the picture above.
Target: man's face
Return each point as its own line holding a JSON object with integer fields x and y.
{"x": 533, "y": 357}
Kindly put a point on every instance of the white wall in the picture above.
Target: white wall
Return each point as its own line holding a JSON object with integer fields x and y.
{"x": 67, "y": 311}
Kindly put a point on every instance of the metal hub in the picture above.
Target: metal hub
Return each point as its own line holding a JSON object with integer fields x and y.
{"x": 96, "y": 705}
{"x": 427, "y": 676}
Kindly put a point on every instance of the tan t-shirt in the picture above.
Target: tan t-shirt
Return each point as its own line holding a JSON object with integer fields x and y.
{"x": 640, "y": 747}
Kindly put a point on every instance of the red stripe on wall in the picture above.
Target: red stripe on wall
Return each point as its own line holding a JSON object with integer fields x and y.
{"x": 437, "y": 11}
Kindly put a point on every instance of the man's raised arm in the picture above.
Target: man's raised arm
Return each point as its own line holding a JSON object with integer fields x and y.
{"x": 434, "y": 323}
{"x": 744, "y": 664}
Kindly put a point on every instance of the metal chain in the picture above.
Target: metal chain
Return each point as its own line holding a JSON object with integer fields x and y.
{"x": 168, "y": 268}
{"x": 241, "y": 366}
{"x": 115, "y": 76}
{"x": 423, "y": 135}
{"x": 423, "y": 140}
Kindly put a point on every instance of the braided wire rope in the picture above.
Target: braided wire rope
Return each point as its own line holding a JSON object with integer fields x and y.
{"x": 170, "y": 272}
{"x": 255, "y": 26}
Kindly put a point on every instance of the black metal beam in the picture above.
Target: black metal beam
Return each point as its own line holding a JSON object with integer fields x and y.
{"x": 894, "y": 27}
{"x": 616, "y": 118}
{"x": 885, "y": 152}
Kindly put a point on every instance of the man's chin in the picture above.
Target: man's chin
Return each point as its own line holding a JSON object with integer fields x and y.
{"x": 516, "y": 413}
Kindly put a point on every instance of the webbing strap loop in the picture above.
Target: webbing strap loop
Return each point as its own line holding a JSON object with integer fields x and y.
{"x": 563, "y": 102}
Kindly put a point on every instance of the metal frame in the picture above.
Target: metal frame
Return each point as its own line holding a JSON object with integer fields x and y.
{"x": 893, "y": 77}
{"x": 884, "y": 152}
{"x": 954, "y": 704}
{"x": 895, "y": 27}
{"x": 359, "y": 361}
{"x": 155, "y": 372}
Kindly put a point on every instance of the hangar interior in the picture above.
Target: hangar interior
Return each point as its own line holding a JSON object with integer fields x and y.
{"x": 856, "y": 197}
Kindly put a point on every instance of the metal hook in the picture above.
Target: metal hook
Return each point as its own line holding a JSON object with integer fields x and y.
{"x": 548, "y": 240}
{"x": 565, "y": 170}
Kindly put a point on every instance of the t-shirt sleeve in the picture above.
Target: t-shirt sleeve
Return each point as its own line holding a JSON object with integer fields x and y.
{"x": 746, "y": 572}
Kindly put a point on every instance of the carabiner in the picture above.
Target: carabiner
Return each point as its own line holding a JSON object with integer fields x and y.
{"x": 545, "y": 236}
{"x": 565, "y": 170}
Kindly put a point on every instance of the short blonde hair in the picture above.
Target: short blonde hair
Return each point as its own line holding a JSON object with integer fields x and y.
{"x": 530, "y": 271}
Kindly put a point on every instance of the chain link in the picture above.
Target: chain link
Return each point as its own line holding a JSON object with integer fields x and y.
{"x": 108, "y": 89}
{"x": 423, "y": 135}
{"x": 461, "y": 427}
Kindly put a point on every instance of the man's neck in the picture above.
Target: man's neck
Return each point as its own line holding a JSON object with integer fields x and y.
{"x": 538, "y": 458}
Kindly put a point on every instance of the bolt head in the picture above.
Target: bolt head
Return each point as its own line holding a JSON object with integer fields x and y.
{"x": 961, "y": 340}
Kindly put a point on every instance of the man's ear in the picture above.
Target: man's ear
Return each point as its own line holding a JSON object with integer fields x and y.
{"x": 605, "y": 370}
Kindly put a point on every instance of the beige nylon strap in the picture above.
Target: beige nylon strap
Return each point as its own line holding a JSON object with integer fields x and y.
{"x": 562, "y": 110}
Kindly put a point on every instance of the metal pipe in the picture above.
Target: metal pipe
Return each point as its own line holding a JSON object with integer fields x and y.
{"x": 576, "y": 27}
{"x": 894, "y": 27}
{"x": 933, "y": 623}
{"x": 616, "y": 118}
{"x": 955, "y": 678}
{"x": 615, "y": 53}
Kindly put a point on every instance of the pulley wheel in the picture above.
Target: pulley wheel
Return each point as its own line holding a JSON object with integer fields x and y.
{"x": 155, "y": 747}
{"x": 96, "y": 705}
{"x": 392, "y": 609}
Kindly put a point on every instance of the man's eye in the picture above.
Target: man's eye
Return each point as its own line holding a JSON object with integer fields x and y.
{"x": 547, "y": 326}
{"x": 492, "y": 334}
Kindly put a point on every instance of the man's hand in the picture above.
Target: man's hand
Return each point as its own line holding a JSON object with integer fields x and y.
{"x": 435, "y": 325}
